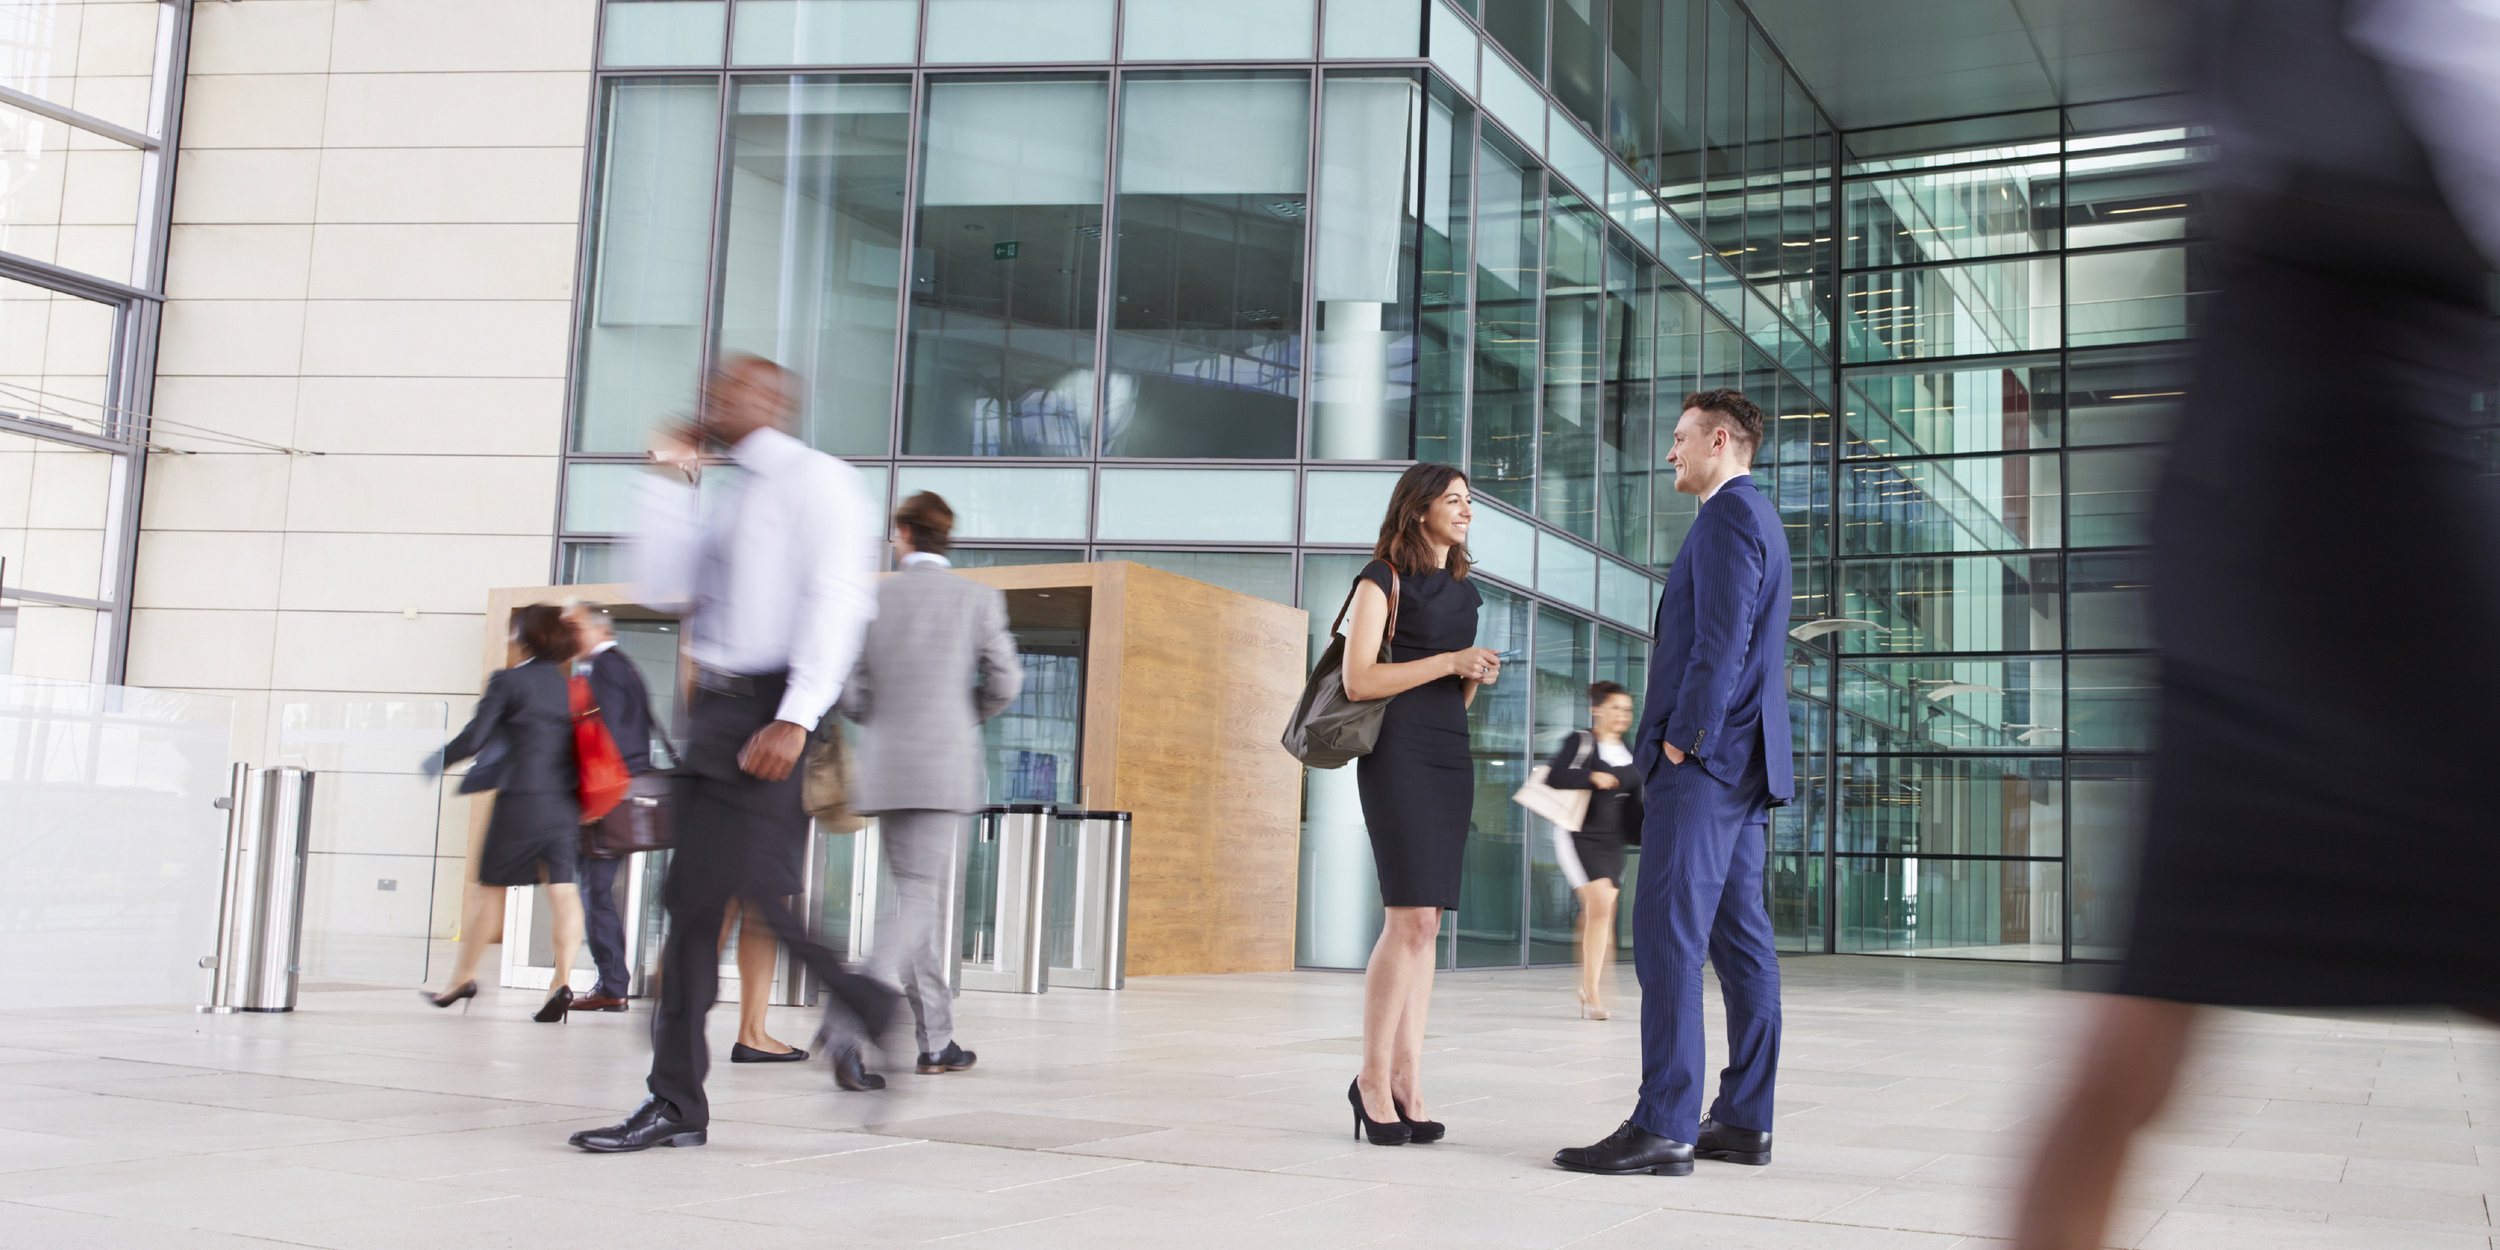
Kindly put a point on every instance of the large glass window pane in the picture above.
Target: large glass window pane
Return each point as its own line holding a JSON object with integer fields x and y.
{"x": 1363, "y": 381}
{"x": 1441, "y": 351}
{"x": 1002, "y": 557}
{"x": 1197, "y": 505}
{"x": 1578, "y": 74}
{"x": 1514, "y": 101}
{"x": 2136, "y": 197}
{"x": 1954, "y": 214}
{"x": 1494, "y": 880}
{"x": 1629, "y": 365}
{"x": 1963, "y": 603}
{"x": 1345, "y": 507}
{"x": 1566, "y": 570}
{"x": 812, "y": 275}
{"x": 1999, "y": 406}
{"x": 1369, "y": 28}
{"x": 1952, "y": 705}
{"x": 1206, "y": 347}
{"x": 1519, "y": 26}
{"x": 826, "y": 32}
{"x": 650, "y": 254}
{"x": 2109, "y": 702}
{"x": 2109, "y": 600}
{"x": 1564, "y": 655}
{"x": 1623, "y": 594}
{"x": 1019, "y": 30}
{"x": 1684, "y": 47}
{"x": 1003, "y": 502}
{"x": 1929, "y": 806}
{"x": 1005, "y": 274}
{"x": 1453, "y": 46}
{"x": 1952, "y": 310}
{"x": 1957, "y": 908}
{"x": 1503, "y": 545}
{"x": 1266, "y": 574}
{"x": 1339, "y": 914}
{"x": 1636, "y": 47}
{"x": 1575, "y": 269}
{"x": 1510, "y": 204}
{"x": 2111, "y": 495}
{"x": 599, "y": 498}
{"x": 1211, "y": 30}
{"x": 2108, "y": 802}
{"x": 663, "y": 32}
{"x": 2128, "y": 395}
{"x": 2135, "y": 297}
{"x": 1983, "y": 503}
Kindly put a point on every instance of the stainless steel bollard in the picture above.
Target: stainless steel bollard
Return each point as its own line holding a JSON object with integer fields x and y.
{"x": 1089, "y": 927}
{"x": 277, "y": 915}
{"x": 233, "y": 892}
{"x": 1008, "y": 952}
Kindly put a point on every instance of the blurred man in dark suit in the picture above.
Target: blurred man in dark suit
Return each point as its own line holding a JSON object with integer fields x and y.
{"x": 625, "y": 704}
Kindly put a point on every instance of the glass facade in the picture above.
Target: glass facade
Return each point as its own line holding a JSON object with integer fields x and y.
{"x": 1185, "y": 282}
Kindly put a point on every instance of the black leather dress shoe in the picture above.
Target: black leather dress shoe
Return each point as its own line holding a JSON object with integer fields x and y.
{"x": 648, "y": 1126}
{"x": 952, "y": 1059}
{"x": 740, "y": 1052}
{"x": 850, "y": 1070}
{"x": 1729, "y": 1144}
{"x": 1628, "y": 1150}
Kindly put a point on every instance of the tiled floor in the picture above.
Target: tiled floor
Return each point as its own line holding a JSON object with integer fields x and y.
{"x": 1209, "y": 1112}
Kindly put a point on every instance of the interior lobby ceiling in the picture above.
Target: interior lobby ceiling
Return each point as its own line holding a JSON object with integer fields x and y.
{"x": 1889, "y": 62}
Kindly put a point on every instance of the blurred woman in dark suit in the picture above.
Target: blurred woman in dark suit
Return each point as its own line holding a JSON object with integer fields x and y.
{"x": 535, "y": 833}
{"x": 1595, "y": 759}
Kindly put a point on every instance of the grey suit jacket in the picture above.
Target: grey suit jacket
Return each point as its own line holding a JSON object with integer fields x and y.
{"x": 937, "y": 662}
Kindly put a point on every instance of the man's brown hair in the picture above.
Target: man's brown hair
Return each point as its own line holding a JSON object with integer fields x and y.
{"x": 1731, "y": 411}
{"x": 926, "y": 521}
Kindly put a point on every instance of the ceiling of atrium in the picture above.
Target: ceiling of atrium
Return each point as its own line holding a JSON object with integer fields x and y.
{"x": 1887, "y": 62}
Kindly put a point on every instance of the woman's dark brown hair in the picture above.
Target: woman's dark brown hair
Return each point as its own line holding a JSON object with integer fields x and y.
{"x": 1402, "y": 542}
{"x": 544, "y": 633}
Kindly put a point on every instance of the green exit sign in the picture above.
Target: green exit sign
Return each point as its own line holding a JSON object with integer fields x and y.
{"x": 1003, "y": 251}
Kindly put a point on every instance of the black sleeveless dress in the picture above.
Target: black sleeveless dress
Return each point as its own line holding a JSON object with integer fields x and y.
{"x": 1418, "y": 784}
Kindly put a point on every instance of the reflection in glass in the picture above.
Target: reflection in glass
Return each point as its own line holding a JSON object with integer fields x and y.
{"x": 1005, "y": 272}
{"x": 1344, "y": 507}
{"x": 1441, "y": 362}
{"x": 1196, "y": 505}
{"x": 1374, "y": 28}
{"x": 1959, "y": 908}
{"x": 1509, "y": 220}
{"x": 650, "y": 250}
{"x": 2109, "y": 702}
{"x": 1796, "y": 888}
{"x": 1952, "y": 705}
{"x": 1575, "y": 263}
{"x": 1958, "y": 806}
{"x": 1033, "y": 749}
{"x": 1953, "y": 214}
{"x": 1952, "y": 310}
{"x": 1488, "y": 915}
{"x": 1628, "y": 364}
{"x": 662, "y": 32}
{"x": 1984, "y": 503}
{"x": 1566, "y": 570}
{"x": 1002, "y": 557}
{"x": 1363, "y": 379}
{"x": 1519, "y": 26}
{"x": 2110, "y": 495}
{"x": 1635, "y": 75}
{"x": 1004, "y": 503}
{"x": 1206, "y": 339}
{"x": 1578, "y": 75}
{"x": 1964, "y": 603}
{"x": 2108, "y": 802}
{"x": 2136, "y": 197}
{"x": 2109, "y": 600}
{"x": 1019, "y": 30}
{"x": 2128, "y": 395}
{"x": 2135, "y": 297}
{"x": 2000, "y": 406}
{"x": 811, "y": 274}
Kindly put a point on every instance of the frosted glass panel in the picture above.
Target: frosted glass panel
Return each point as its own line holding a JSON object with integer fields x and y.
{"x": 1503, "y": 545}
{"x": 1623, "y": 594}
{"x": 1006, "y": 503}
{"x": 112, "y": 852}
{"x": 1197, "y": 505}
{"x": 1019, "y": 30}
{"x": 1368, "y": 28}
{"x": 1454, "y": 45}
{"x": 1231, "y": 30}
{"x": 376, "y": 846}
{"x": 1567, "y": 571}
{"x": 663, "y": 32}
{"x": 1345, "y": 507}
{"x": 826, "y": 32}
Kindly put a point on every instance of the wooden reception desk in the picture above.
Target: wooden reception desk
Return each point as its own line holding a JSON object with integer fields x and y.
{"x": 1186, "y": 689}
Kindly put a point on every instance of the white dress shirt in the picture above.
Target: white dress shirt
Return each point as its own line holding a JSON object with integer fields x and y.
{"x": 1720, "y": 487}
{"x": 774, "y": 571}
{"x": 926, "y": 557}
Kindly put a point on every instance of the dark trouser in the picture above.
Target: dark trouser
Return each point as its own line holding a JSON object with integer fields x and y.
{"x": 732, "y": 831}
{"x": 1700, "y": 893}
{"x": 604, "y": 922}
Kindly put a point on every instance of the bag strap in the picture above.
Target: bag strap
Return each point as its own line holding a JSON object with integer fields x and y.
{"x": 1587, "y": 740}
{"x": 1396, "y": 589}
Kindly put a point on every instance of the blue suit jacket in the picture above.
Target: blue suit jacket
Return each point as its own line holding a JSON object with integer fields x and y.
{"x": 1718, "y": 682}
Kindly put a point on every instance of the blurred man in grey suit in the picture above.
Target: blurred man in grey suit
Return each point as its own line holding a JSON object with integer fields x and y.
{"x": 937, "y": 662}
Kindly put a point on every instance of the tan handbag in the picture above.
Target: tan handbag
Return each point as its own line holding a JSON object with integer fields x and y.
{"x": 1568, "y": 809}
{"x": 825, "y": 783}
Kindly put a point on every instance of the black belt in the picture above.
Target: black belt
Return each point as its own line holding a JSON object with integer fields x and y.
{"x": 739, "y": 685}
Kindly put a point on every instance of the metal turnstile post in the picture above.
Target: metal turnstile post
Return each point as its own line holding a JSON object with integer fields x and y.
{"x": 233, "y": 892}
{"x": 1008, "y": 951}
{"x": 1089, "y": 871}
{"x": 278, "y": 912}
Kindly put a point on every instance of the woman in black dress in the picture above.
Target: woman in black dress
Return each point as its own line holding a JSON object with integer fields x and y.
{"x": 1595, "y": 759}
{"x": 536, "y": 829}
{"x": 1418, "y": 782}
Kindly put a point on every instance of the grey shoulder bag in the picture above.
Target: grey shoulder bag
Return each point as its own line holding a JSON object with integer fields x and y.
{"x": 1328, "y": 729}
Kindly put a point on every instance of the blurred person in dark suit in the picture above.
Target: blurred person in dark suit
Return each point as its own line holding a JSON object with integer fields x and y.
{"x": 2326, "y": 569}
{"x": 625, "y": 705}
{"x": 534, "y": 835}
{"x": 773, "y": 571}
{"x": 937, "y": 662}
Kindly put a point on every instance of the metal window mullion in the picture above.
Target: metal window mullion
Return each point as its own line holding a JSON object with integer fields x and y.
{"x": 1106, "y": 263}
{"x": 915, "y": 155}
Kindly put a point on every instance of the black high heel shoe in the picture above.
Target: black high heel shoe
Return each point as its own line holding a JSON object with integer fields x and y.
{"x": 1395, "y": 1133}
{"x": 1420, "y": 1132}
{"x": 558, "y": 1007}
{"x": 466, "y": 991}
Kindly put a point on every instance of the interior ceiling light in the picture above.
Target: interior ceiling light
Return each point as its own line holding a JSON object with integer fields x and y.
{"x": 2149, "y": 208}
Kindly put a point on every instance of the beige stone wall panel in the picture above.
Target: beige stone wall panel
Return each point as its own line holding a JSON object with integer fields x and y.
{"x": 442, "y": 110}
{"x": 466, "y": 261}
{"x": 437, "y": 338}
{"x": 214, "y": 650}
{"x": 436, "y": 573}
{"x": 414, "y": 416}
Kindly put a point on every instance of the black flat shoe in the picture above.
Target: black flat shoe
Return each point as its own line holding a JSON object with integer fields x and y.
{"x": 1394, "y": 1133}
{"x": 648, "y": 1126}
{"x": 850, "y": 1071}
{"x": 952, "y": 1059}
{"x": 467, "y": 991}
{"x": 1629, "y": 1150}
{"x": 557, "y": 1008}
{"x": 1420, "y": 1132}
{"x": 1729, "y": 1144}
{"x": 740, "y": 1052}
